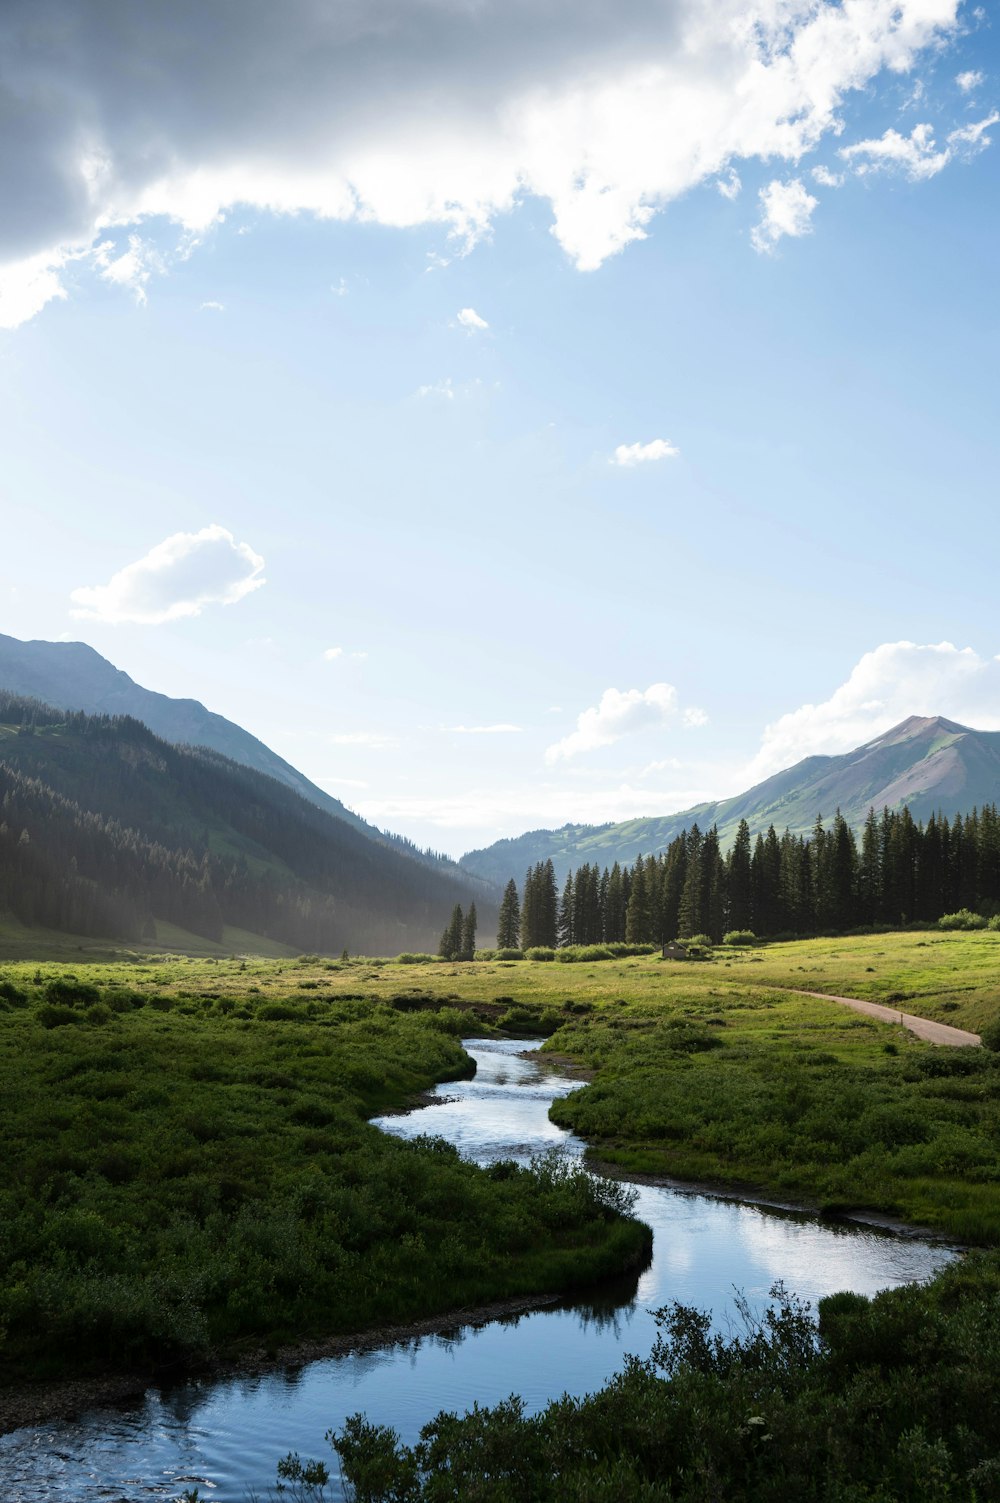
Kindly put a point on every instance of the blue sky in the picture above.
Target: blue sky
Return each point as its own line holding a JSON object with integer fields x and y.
{"x": 510, "y": 413}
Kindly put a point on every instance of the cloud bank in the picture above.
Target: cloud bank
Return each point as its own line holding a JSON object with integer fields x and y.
{"x": 177, "y": 578}
{"x": 407, "y": 112}
{"x": 897, "y": 679}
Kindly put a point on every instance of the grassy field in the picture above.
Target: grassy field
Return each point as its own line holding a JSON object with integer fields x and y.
{"x": 187, "y": 1170}
{"x": 189, "y": 1166}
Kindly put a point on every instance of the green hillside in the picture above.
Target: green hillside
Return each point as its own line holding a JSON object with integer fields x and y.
{"x": 110, "y": 832}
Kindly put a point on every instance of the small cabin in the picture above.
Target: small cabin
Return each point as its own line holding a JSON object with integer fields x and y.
{"x": 675, "y": 951}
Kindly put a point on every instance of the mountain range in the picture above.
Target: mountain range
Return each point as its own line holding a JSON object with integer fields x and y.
{"x": 926, "y": 762}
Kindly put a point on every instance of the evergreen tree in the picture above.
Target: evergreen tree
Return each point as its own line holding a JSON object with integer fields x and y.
{"x": 565, "y": 924}
{"x": 451, "y": 940}
{"x": 509, "y": 920}
{"x": 738, "y": 873}
{"x": 469, "y": 924}
{"x": 638, "y": 918}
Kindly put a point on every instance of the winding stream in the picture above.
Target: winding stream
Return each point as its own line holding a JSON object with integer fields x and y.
{"x": 226, "y": 1437}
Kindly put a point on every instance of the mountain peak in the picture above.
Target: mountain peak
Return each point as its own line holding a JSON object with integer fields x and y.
{"x": 915, "y": 726}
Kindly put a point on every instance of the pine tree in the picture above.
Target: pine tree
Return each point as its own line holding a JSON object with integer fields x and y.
{"x": 509, "y": 920}
{"x": 738, "y": 874}
{"x": 564, "y": 923}
{"x": 451, "y": 939}
{"x": 468, "y": 943}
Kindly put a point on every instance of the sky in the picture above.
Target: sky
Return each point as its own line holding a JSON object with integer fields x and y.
{"x": 512, "y": 411}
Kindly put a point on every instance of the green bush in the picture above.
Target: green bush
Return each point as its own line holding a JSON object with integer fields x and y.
{"x": 570, "y": 954}
{"x": 963, "y": 919}
{"x": 700, "y": 941}
{"x": 540, "y": 952}
{"x": 68, "y": 992}
{"x": 414, "y": 958}
{"x": 509, "y": 955}
{"x": 739, "y": 937}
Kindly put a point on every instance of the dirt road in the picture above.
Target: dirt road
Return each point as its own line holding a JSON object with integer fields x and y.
{"x": 924, "y": 1028}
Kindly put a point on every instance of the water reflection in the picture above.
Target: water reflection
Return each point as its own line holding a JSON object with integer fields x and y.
{"x": 226, "y": 1437}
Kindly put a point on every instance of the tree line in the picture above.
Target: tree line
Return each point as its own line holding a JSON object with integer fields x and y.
{"x": 899, "y": 871}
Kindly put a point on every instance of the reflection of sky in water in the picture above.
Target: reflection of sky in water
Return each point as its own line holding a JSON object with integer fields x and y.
{"x": 226, "y": 1438}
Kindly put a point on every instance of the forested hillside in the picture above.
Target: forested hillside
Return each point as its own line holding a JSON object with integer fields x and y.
{"x": 104, "y": 828}
{"x": 901, "y": 871}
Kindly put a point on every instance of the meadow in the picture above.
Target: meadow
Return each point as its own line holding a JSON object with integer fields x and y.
{"x": 190, "y": 1169}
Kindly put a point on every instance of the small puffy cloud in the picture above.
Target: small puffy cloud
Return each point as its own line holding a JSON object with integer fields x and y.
{"x": 826, "y": 178}
{"x": 694, "y": 717}
{"x": 974, "y": 136}
{"x": 470, "y": 319}
{"x": 213, "y": 307}
{"x": 786, "y": 209}
{"x": 619, "y": 714}
{"x": 177, "y": 578}
{"x": 730, "y": 186}
{"x": 630, "y": 455}
{"x": 918, "y": 156}
{"x": 443, "y": 389}
{"x": 915, "y": 155}
{"x": 332, "y": 654}
{"x": 969, "y": 80}
{"x": 894, "y": 681}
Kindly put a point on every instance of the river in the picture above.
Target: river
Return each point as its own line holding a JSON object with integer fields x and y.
{"x": 225, "y": 1437}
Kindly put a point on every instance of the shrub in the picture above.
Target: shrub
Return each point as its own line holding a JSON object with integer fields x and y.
{"x": 68, "y": 992}
{"x": 509, "y": 955}
{"x": 51, "y": 1016}
{"x": 414, "y": 958}
{"x": 573, "y": 953}
{"x": 699, "y": 941}
{"x": 540, "y": 952}
{"x": 739, "y": 937}
{"x": 12, "y": 995}
{"x": 990, "y": 1036}
{"x": 963, "y": 919}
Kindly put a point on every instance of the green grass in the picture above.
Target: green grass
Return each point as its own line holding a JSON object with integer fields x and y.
{"x": 188, "y": 1168}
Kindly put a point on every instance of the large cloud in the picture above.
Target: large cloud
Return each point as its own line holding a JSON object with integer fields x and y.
{"x": 895, "y": 680}
{"x": 178, "y": 577}
{"x": 411, "y": 111}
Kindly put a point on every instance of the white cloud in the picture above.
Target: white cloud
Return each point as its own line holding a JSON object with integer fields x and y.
{"x": 730, "y": 186}
{"x": 826, "y": 178}
{"x": 470, "y": 319}
{"x": 332, "y": 654}
{"x": 177, "y": 578}
{"x": 786, "y": 210}
{"x": 693, "y": 718}
{"x": 917, "y": 156}
{"x": 27, "y": 286}
{"x": 894, "y": 681}
{"x": 410, "y": 112}
{"x": 969, "y": 80}
{"x": 213, "y": 307}
{"x": 443, "y": 389}
{"x": 133, "y": 268}
{"x": 618, "y": 714}
{"x": 483, "y": 730}
{"x": 629, "y": 455}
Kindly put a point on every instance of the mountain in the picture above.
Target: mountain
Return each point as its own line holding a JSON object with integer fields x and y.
{"x": 107, "y": 830}
{"x": 926, "y": 762}
{"x": 72, "y": 676}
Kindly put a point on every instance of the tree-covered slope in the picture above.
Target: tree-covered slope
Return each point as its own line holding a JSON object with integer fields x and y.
{"x": 104, "y": 827}
{"x": 73, "y": 676}
{"x": 929, "y": 764}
